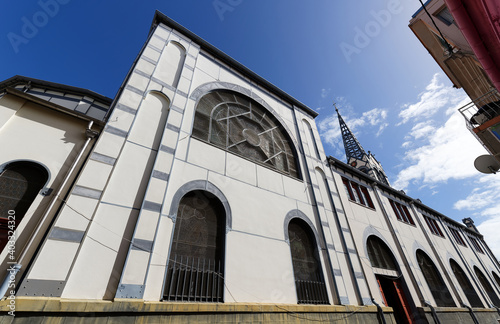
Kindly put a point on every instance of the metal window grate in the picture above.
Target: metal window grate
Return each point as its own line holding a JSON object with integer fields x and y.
{"x": 311, "y": 292}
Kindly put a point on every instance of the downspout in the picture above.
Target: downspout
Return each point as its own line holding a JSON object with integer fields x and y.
{"x": 308, "y": 175}
{"x": 470, "y": 32}
{"x": 380, "y": 312}
{"x": 17, "y": 265}
{"x": 471, "y": 312}
{"x": 436, "y": 254}
{"x": 433, "y": 312}
{"x": 463, "y": 259}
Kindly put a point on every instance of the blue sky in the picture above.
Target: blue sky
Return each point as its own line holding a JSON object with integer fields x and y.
{"x": 360, "y": 54}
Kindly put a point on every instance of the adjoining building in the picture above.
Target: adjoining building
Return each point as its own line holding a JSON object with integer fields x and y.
{"x": 463, "y": 39}
{"x": 203, "y": 193}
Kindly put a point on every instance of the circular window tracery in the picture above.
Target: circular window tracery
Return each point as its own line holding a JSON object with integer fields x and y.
{"x": 240, "y": 125}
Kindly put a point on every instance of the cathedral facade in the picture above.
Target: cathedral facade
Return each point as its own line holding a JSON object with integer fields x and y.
{"x": 203, "y": 193}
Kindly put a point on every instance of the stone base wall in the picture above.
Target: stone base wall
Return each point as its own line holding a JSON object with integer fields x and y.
{"x": 126, "y": 311}
{"x": 452, "y": 315}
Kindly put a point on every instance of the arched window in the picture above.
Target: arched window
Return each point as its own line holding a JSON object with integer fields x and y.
{"x": 434, "y": 280}
{"x": 487, "y": 287}
{"x": 497, "y": 278}
{"x": 20, "y": 183}
{"x": 309, "y": 280}
{"x": 240, "y": 125}
{"x": 464, "y": 282}
{"x": 196, "y": 265}
{"x": 379, "y": 254}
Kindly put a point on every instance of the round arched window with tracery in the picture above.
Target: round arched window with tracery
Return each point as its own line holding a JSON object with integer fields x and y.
{"x": 242, "y": 126}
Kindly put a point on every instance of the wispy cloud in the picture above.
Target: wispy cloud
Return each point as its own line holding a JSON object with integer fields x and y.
{"x": 325, "y": 92}
{"x": 435, "y": 97}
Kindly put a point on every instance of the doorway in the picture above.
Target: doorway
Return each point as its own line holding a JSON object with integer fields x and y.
{"x": 394, "y": 296}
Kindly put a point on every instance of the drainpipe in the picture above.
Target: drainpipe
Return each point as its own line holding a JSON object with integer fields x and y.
{"x": 474, "y": 318}
{"x": 433, "y": 312}
{"x": 380, "y": 312}
{"x": 16, "y": 266}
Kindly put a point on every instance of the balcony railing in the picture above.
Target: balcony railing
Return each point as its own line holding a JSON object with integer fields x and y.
{"x": 482, "y": 109}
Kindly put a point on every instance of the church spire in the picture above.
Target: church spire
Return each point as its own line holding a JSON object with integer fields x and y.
{"x": 351, "y": 145}
{"x": 356, "y": 155}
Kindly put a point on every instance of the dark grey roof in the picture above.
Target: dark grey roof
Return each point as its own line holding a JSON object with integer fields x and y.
{"x": 212, "y": 50}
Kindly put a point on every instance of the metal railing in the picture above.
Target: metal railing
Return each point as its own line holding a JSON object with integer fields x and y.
{"x": 194, "y": 279}
{"x": 311, "y": 292}
{"x": 482, "y": 109}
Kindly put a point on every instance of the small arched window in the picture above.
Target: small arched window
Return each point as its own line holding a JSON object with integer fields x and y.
{"x": 464, "y": 282}
{"x": 434, "y": 280}
{"x": 20, "y": 183}
{"x": 487, "y": 287}
{"x": 242, "y": 126}
{"x": 309, "y": 280}
{"x": 196, "y": 265}
{"x": 379, "y": 254}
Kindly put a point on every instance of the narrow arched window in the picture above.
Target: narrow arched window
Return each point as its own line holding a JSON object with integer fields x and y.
{"x": 466, "y": 285}
{"x": 434, "y": 280}
{"x": 242, "y": 126}
{"x": 196, "y": 265}
{"x": 497, "y": 278}
{"x": 487, "y": 287}
{"x": 379, "y": 254}
{"x": 20, "y": 183}
{"x": 309, "y": 280}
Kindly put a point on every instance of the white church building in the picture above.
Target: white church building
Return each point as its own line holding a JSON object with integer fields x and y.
{"x": 202, "y": 193}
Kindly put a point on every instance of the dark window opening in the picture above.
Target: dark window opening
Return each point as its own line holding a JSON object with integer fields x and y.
{"x": 456, "y": 235}
{"x": 309, "y": 281}
{"x": 402, "y": 213}
{"x": 433, "y": 226}
{"x": 357, "y": 193}
{"x": 476, "y": 245}
{"x": 20, "y": 183}
{"x": 487, "y": 287}
{"x": 466, "y": 285}
{"x": 195, "y": 269}
{"x": 379, "y": 254}
{"x": 242, "y": 126}
{"x": 434, "y": 280}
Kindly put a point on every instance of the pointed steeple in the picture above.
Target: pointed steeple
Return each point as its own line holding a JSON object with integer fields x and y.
{"x": 356, "y": 155}
{"x": 351, "y": 144}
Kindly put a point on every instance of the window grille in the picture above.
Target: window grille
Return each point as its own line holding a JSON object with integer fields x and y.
{"x": 240, "y": 125}
{"x": 467, "y": 288}
{"x": 434, "y": 280}
{"x": 487, "y": 287}
{"x": 379, "y": 254}
{"x": 445, "y": 16}
{"x": 456, "y": 235}
{"x": 357, "y": 193}
{"x": 402, "y": 213}
{"x": 433, "y": 226}
{"x": 309, "y": 282}
{"x": 476, "y": 245}
{"x": 195, "y": 270}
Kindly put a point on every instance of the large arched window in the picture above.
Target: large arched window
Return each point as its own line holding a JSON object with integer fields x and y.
{"x": 20, "y": 183}
{"x": 464, "y": 282}
{"x": 487, "y": 287}
{"x": 434, "y": 280}
{"x": 309, "y": 280}
{"x": 196, "y": 264}
{"x": 240, "y": 125}
{"x": 379, "y": 254}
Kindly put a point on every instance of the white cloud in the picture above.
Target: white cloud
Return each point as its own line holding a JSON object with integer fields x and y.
{"x": 489, "y": 229}
{"x": 435, "y": 97}
{"x": 330, "y": 130}
{"x": 325, "y": 92}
